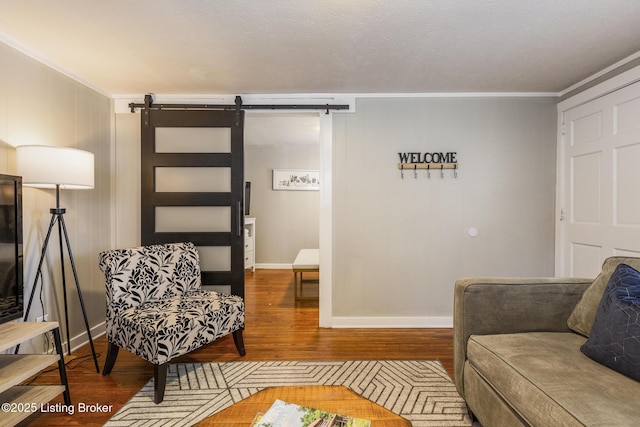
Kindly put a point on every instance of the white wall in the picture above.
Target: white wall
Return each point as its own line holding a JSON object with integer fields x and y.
{"x": 400, "y": 244}
{"x": 127, "y": 180}
{"x": 286, "y": 221}
{"x": 41, "y": 106}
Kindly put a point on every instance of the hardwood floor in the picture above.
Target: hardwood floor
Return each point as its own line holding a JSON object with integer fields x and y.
{"x": 276, "y": 328}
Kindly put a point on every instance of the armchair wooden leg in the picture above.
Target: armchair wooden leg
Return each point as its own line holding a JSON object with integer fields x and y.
{"x": 239, "y": 341}
{"x": 112, "y": 355}
{"x": 159, "y": 381}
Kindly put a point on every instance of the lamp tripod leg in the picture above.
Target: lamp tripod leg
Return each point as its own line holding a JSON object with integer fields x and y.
{"x": 75, "y": 276}
{"x": 64, "y": 283}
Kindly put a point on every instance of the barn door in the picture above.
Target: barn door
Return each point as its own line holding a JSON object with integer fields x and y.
{"x": 192, "y": 187}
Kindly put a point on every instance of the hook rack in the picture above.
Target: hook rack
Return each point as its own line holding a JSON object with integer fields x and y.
{"x": 429, "y": 167}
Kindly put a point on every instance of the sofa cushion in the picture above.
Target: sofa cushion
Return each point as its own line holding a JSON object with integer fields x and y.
{"x": 548, "y": 381}
{"x": 584, "y": 313}
{"x": 614, "y": 340}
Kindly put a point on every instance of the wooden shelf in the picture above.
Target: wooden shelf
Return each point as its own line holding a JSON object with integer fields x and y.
{"x": 29, "y": 396}
{"x": 14, "y": 333}
{"x": 16, "y": 368}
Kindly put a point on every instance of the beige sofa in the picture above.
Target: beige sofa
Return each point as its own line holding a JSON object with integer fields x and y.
{"x": 517, "y": 357}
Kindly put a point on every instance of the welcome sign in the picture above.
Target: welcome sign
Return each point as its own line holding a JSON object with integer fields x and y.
{"x": 429, "y": 161}
{"x": 449, "y": 157}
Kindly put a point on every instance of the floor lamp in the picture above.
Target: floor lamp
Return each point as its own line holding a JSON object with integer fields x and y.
{"x": 57, "y": 167}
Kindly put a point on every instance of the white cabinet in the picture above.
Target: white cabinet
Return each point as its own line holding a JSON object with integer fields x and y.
{"x": 23, "y": 400}
{"x": 250, "y": 243}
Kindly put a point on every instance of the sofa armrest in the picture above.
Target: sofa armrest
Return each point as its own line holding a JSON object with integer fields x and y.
{"x": 485, "y": 306}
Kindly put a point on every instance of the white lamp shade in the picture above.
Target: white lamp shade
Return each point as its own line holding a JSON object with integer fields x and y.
{"x": 45, "y": 166}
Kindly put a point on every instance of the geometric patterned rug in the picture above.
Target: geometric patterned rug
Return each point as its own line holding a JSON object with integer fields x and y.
{"x": 421, "y": 391}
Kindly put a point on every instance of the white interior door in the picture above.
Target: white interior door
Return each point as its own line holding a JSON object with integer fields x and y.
{"x": 600, "y": 182}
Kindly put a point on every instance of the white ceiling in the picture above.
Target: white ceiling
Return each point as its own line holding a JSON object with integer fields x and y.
{"x": 133, "y": 47}
{"x": 324, "y": 46}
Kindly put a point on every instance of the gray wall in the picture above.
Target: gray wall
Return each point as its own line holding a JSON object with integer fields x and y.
{"x": 400, "y": 244}
{"x": 43, "y": 107}
{"x": 286, "y": 221}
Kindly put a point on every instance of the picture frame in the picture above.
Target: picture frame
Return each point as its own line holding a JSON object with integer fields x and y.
{"x": 296, "y": 179}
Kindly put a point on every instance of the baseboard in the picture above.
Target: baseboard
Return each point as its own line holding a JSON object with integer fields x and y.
{"x": 392, "y": 322}
{"x": 267, "y": 266}
{"x": 82, "y": 339}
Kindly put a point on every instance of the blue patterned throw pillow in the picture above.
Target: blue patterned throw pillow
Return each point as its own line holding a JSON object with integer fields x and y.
{"x": 614, "y": 339}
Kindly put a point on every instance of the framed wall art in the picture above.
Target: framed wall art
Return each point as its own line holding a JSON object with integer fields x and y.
{"x": 296, "y": 179}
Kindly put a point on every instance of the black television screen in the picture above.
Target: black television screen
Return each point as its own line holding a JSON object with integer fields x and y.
{"x": 11, "y": 280}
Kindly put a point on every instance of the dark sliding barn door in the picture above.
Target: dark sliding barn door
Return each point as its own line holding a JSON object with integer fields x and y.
{"x": 193, "y": 186}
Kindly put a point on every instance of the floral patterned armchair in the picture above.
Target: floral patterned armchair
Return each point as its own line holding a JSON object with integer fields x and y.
{"x": 157, "y": 310}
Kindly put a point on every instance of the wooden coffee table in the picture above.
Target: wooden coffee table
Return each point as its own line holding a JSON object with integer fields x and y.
{"x": 336, "y": 399}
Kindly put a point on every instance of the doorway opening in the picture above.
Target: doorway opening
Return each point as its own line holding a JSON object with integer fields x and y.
{"x": 287, "y": 217}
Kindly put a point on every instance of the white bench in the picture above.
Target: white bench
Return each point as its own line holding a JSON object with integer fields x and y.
{"x": 307, "y": 260}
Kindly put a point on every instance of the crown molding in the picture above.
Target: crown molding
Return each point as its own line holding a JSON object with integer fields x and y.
{"x": 602, "y": 76}
{"x": 54, "y": 66}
